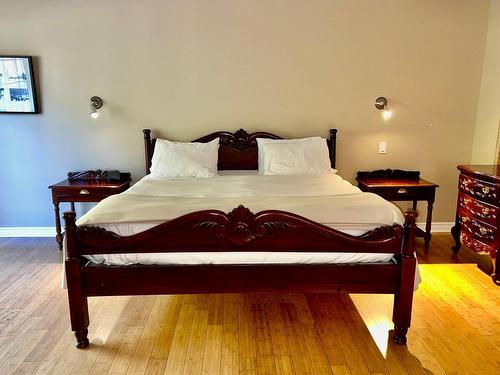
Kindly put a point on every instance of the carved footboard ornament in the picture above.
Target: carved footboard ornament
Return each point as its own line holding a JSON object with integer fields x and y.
{"x": 242, "y": 226}
{"x": 238, "y": 230}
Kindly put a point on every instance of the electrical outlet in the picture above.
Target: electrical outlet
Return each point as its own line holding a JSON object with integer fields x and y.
{"x": 382, "y": 147}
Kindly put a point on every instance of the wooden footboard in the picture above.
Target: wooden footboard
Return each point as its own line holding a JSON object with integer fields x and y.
{"x": 239, "y": 230}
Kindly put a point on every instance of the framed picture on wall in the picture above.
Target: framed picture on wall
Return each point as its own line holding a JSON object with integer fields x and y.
{"x": 17, "y": 86}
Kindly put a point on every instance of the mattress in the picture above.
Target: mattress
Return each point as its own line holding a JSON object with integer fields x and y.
{"x": 327, "y": 199}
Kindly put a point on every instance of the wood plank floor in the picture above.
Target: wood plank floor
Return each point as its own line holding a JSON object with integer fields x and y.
{"x": 455, "y": 326}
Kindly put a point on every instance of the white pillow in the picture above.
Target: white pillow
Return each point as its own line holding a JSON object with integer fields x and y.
{"x": 185, "y": 159}
{"x": 293, "y": 156}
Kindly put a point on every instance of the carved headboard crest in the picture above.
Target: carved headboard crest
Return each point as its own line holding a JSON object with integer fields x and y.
{"x": 237, "y": 150}
{"x": 240, "y": 140}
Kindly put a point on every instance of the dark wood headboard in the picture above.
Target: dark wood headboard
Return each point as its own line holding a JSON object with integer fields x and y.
{"x": 237, "y": 150}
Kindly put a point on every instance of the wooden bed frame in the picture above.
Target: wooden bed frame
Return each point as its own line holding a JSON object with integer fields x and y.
{"x": 238, "y": 230}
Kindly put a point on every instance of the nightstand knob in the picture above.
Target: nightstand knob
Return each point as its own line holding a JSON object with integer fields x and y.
{"x": 84, "y": 192}
{"x": 402, "y": 191}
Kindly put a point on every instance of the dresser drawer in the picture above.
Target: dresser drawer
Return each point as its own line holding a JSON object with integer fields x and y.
{"x": 475, "y": 245}
{"x": 479, "y": 189}
{"x": 480, "y": 210}
{"x": 479, "y": 230}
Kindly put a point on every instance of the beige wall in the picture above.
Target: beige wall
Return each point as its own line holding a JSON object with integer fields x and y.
{"x": 185, "y": 68}
{"x": 488, "y": 111}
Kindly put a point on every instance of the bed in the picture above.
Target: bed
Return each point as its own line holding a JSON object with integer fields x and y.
{"x": 240, "y": 232}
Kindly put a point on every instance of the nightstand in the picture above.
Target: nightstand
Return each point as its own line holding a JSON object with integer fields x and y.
{"x": 403, "y": 189}
{"x": 92, "y": 186}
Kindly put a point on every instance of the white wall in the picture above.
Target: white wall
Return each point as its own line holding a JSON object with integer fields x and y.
{"x": 189, "y": 67}
{"x": 488, "y": 111}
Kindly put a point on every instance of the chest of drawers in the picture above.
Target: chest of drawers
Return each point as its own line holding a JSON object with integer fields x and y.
{"x": 478, "y": 211}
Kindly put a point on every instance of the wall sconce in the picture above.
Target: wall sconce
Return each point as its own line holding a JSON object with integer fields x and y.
{"x": 381, "y": 104}
{"x": 95, "y": 104}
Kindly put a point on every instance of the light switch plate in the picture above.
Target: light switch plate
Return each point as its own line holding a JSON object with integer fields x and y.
{"x": 382, "y": 147}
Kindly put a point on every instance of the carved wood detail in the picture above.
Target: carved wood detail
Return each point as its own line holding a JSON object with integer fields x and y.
{"x": 394, "y": 174}
{"x": 240, "y": 139}
{"x": 239, "y": 230}
{"x": 95, "y": 233}
{"x": 242, "y": 227}
{"x": 97, "y": 174}
{"x": 384, "y": 232}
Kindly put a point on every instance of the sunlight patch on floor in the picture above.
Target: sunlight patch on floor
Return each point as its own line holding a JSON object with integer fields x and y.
{"x": 376, "y": 311}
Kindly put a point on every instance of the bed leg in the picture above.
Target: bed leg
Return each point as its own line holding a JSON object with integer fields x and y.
{"x": 403, "y": 300}
{"x": 78, "y": 307}
{"x": 403, "y": 297}
{"x": 399, "y": 337}
{"x": 81, "y": 339}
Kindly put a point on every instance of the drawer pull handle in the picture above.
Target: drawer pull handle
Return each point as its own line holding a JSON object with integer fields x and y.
{"x": 483, "y": 230}
{"x": 486, "y": 190}
{"x": 84, "y": 192}
{"x": 402, "y": 191}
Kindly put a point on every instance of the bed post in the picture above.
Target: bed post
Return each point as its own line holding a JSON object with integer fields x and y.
{"x": 332, "y": 142}
{"x": 403, "y": 298}
{"x": 147, "y": 149}
{"x": 78, "y": 308}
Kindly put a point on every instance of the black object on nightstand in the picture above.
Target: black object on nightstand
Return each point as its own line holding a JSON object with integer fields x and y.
{"x": 398, "y": 185}
{"x": 88, "y": 186}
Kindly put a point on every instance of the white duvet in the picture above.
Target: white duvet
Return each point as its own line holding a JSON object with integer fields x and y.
{"x": 326, "y": 199}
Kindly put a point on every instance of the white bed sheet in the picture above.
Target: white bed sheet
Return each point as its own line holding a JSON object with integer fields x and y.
{"x": 327, "y": 199}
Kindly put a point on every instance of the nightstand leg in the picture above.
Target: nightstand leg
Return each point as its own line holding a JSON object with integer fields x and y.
{"x": 427, "y": 236}
{"x": 414, "y": 208}
{"x": 59, "y": 237}
{"x": 73, "y": 207}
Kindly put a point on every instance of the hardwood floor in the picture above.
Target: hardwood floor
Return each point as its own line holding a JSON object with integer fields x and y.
{"x": 455, "y": 328}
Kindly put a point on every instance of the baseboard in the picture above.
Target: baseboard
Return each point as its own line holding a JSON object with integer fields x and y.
{"x": 27, "y": 231}
{"x": 439, "y": 226}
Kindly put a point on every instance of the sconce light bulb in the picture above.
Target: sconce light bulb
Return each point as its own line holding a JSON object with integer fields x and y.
{"x": 386, "y": 114}
{"x": 95, "y": 104}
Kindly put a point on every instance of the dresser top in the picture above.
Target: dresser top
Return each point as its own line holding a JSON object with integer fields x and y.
{"x": 491, "y": 172}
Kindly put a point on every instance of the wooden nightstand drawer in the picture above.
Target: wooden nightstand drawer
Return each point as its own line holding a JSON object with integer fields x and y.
{"x": 87, "y": 194}
{"x": 397, "y": 193}
{"x": 479, "y": 189}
